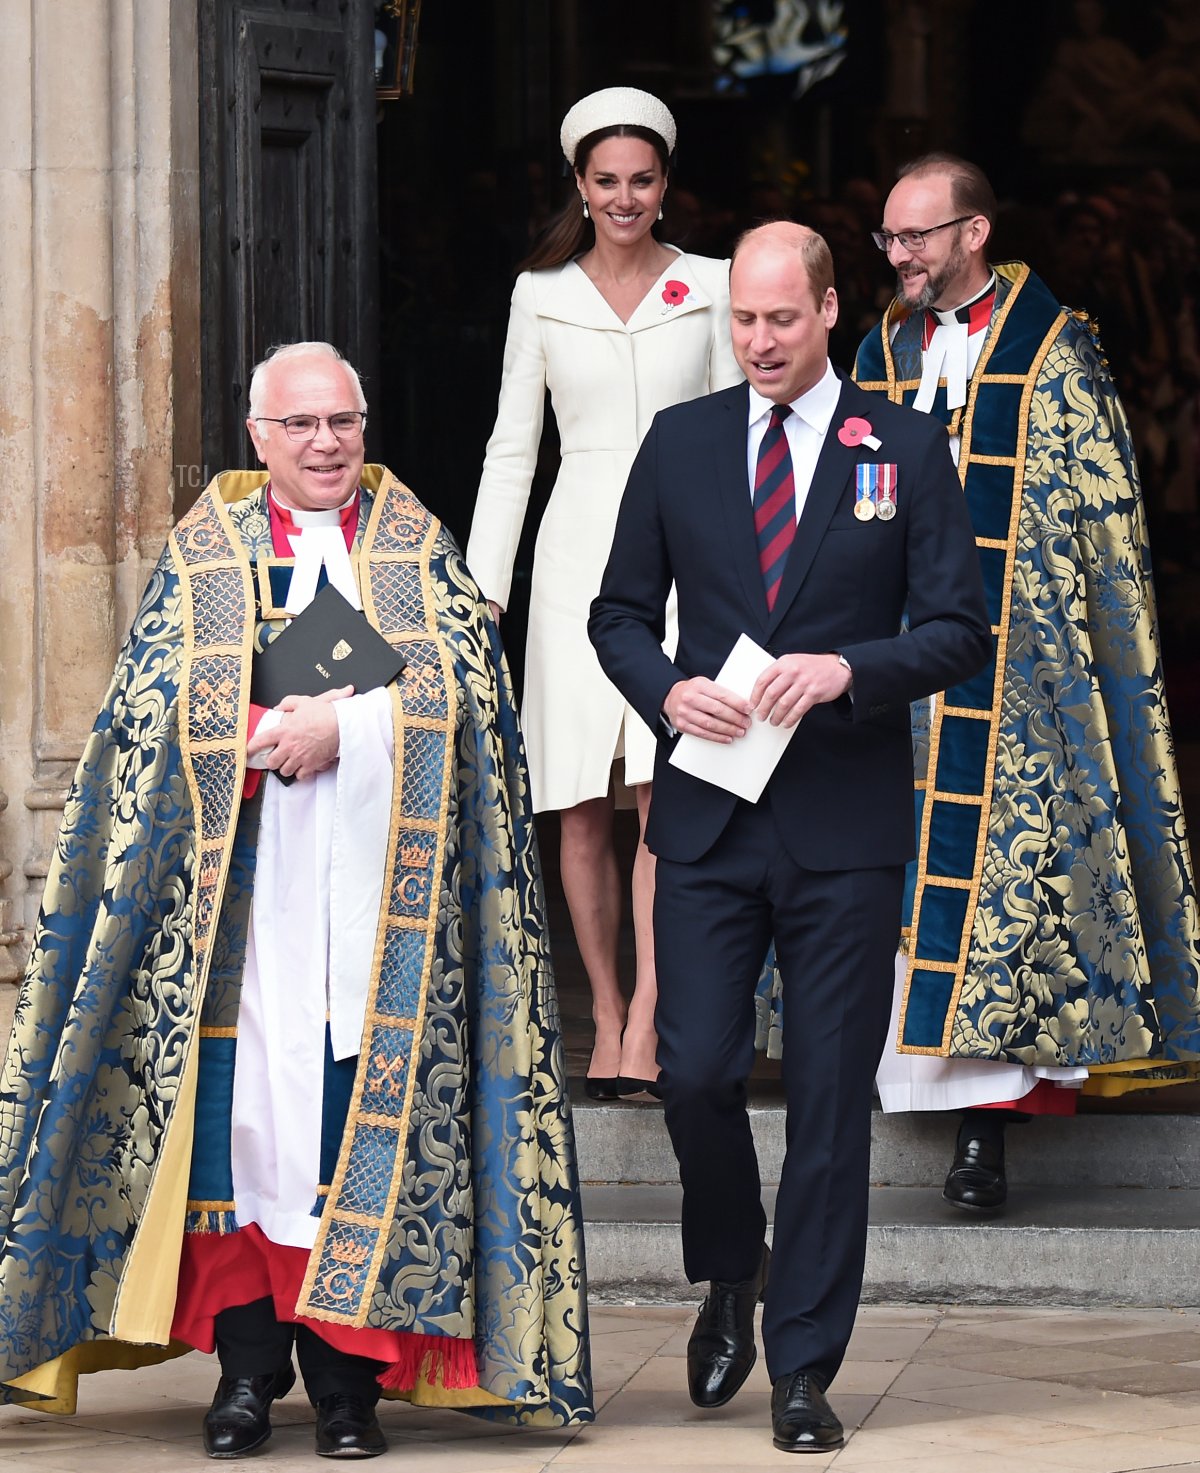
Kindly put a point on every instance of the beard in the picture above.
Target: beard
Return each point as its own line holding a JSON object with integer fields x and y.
{"x": 936, "y": 282}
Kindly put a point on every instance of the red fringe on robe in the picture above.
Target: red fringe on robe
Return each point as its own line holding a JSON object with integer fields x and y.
{"x": 220, "y": 1270}
{"x": 1045, "y": 1098}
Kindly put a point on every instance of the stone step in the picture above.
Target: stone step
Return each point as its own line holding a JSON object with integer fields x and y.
{"x": 628, "y": 1143}
{"x": 1110, "y": 1246}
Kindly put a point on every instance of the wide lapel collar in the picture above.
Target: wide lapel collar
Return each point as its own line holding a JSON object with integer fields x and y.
{"x": 834, "y": 466}
{"x": 571, "y": 297}
{"x": 676, "y": 293}
{"x": 731, "y": 428}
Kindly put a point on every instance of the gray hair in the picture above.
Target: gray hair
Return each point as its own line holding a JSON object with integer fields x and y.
{"x": 288, "y": 351}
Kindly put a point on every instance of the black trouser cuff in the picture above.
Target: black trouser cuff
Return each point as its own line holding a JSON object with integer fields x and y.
{"x": 251, "y": 1341}
{"x": 328, "y": 1372}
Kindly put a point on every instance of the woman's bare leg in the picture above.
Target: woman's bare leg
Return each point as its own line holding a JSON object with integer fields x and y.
{"x": 641, "y": 1041}
{"x": 592, "y": 884}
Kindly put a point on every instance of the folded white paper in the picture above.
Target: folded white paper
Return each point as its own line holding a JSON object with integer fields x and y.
{"x": 743, "y": 765}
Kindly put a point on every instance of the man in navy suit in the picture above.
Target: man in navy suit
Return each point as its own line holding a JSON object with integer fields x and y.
{"x": 829, "y": 526}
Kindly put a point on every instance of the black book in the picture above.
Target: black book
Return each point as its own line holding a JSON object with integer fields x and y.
{"x": 329, "y": 645}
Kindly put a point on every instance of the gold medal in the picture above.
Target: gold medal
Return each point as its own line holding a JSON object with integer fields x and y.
{"x": 864, "y": 509}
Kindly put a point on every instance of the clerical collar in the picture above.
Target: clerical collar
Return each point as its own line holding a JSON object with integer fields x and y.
{"x": 975, "y": 312}
{"x": 315, "y": 540}
{"x": 295, "y": 520}
{"x": 288, "y": 525}
{"x": 948, "y": 354}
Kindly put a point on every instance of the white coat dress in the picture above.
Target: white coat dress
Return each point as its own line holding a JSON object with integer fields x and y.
{"x": 607, "y": 381}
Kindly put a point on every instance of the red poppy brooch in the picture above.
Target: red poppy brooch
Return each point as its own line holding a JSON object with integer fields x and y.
{"x": 675, "y": 293}
{"x": 857, "y": 431}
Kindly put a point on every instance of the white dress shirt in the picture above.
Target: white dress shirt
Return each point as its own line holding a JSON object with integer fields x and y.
{"x": 805, "y": 428}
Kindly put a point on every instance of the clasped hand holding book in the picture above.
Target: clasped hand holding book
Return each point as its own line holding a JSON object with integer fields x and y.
{"x": 329, "y": 645}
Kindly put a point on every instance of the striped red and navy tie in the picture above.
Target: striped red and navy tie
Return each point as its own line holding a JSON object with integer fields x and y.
{"x": 774, "y": 502}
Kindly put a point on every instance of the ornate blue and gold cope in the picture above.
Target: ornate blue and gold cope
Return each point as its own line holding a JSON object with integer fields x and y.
{"x": 1052, "y": 907}
{"x": 452, "y": 1205}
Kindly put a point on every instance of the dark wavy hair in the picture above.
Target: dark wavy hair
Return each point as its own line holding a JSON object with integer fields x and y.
{"x": 569, "y": 233}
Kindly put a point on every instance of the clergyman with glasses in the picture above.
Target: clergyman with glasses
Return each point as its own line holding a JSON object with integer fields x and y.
{"x": 286, "y": 1073}
{"x": 1052, "y": 936}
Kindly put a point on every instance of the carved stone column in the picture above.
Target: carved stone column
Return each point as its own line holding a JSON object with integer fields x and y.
{"x": 10, "y": 937}
{"x": 98, "y": 375}
{"x": 10, "y": 933}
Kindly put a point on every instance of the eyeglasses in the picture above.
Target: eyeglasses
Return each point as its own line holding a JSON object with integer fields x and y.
{"x": 347, "y": 425}
{"x": 913, "y": 240}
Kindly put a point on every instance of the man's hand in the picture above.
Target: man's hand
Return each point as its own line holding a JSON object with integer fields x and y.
{"x": 702, "y": 708}
{"x": 306, "y": 741}
{"x": 795, "y": 684}
{"x": 496, "y": 610}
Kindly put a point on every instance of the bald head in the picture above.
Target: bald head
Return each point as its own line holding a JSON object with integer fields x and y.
{"x": 786, "y": 236}
{"x": 782, "y": 307}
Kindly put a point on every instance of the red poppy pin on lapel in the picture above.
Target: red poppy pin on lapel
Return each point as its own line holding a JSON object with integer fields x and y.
{"x": 857, "y": 431}
{"x": 675, "y": 293}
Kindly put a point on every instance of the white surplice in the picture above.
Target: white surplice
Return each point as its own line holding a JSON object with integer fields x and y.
{"x": 926, "y": 1082}
{"x": 319, "y": 875}
{"x": 322, "y": 849}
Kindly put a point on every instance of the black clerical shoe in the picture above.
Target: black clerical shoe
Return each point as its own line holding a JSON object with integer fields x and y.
{"x": 976, "y": 1181}
{"x": 721, "y": 1350}
{"x": 348, "y": 1428}
{"x": 802, "y": 1421}
{"x": 239, "y": 1419}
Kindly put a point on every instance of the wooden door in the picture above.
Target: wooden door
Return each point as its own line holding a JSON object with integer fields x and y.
{"x": 288, "y": 195}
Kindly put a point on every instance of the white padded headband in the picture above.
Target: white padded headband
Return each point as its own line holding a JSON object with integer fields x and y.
{"x": 611, "y": 108}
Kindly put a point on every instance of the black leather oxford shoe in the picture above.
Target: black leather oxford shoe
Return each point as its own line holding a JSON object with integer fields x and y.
{"x": 802, "y": 1421}
{"x": 721, "y": 1350}
{"x": 976, "y": 1181}
{"x": 347, "y": 1428}
{"x": 239, "y": 1419}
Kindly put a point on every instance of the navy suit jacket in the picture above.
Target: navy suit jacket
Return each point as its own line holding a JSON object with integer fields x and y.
{"x": 902, "y": 600}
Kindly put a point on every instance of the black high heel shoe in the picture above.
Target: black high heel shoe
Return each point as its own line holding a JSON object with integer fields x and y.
{"x": 601, "y": 1087}
{"x": 637, "y": 1089}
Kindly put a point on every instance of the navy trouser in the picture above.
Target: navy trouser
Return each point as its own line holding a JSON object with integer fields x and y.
{"x": 835, "y": 936}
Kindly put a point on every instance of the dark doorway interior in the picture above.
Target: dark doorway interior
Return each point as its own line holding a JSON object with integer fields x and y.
{"x": 1086, "y": 115}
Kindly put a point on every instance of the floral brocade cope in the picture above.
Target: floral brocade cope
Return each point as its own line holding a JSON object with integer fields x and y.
{"x": 1053, "y": 905}
{"x": 483, "y": 1233}
{"x": 1080, "y": 930}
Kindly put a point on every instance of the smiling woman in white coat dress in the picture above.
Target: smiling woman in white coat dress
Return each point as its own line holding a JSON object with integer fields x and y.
{"x": 618, "y": 326}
